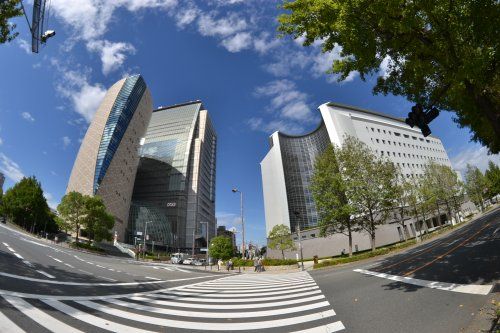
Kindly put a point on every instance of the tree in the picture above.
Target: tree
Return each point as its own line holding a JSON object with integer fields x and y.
{"x": 97, "y": 221}
{"x": 401, "y": 192}
{"x": 8, "y": 10}
{"x": 437, "y": 53}
{"x": 475, "y": 185}
{"x": 25, "y": 205}
{"x": 221, "y": 247}
{"x": 72, "y": 211}
{"x": 280, "y": 238}
{"x": 329, "y": 192}
{"x": 493, "y": 179}
{"x": 369, "y": 182}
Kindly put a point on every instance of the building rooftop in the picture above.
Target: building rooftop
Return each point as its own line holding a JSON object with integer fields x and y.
{"x": 177, "y": 105}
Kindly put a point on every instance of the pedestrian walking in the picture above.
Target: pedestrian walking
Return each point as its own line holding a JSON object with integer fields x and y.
{"x": 229, "y": 265}
{"x": 219, "y": 264}
{"x": 256, "y": 264}
{"x": 259, "y": 265}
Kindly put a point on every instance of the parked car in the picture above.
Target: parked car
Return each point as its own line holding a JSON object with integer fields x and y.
{"x": 200, "y": 262}
{"x": 188, "y": 261}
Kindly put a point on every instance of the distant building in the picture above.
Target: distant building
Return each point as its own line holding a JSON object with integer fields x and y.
{"x": 289, "y": 165}
{"x": 2, "y": 180}
{"x": 222, "y": 231}
{"x": 175, "y": 184}
{"x": 107, "y": 161}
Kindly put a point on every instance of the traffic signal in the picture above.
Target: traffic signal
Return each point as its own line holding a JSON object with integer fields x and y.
{"x": 417, "y": 117}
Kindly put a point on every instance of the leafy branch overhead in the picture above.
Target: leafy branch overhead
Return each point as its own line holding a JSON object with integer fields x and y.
{"x": 8, "y": 9}
{"x": 436, "y": 53}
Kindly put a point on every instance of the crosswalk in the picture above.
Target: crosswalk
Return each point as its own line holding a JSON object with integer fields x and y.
{"x": 243, "y": 303}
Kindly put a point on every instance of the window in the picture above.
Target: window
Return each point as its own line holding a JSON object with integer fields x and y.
{"x": 383, "y": 141}
{"x": 373, "y": 130}
{"x": 384, "y": 131}
{"x": 377, "y": 140}
{"x": 378, "y": 129}
{"x": 406, "y": 136}
{"x": 397, "y": 134}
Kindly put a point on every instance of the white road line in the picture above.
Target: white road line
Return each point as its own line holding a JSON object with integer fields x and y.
{"x": 165, "y": 268}
{"x": 10, "y": 249}
{"x": 93, "y": 320}
{"x": 215, "y": 315}
{"x": 87, "y": 272}
{"x": 209, "y": 326}
{"x": 330, "y": 328}
{"x": 152, "y": 278}
{"x": 232, "y": 291}
{"x": 55, "y": 259}
{"x": 6, "y": 325}
{"x": 455, "y": 287}
{"x": 231, "y": 286}
{"x": 182, "y": 270}
{"x": 100, "y": 266}
{"x": 5, "y": 244}
{"x": 107, "y": 278}
{"x": 211, "y": 299}
{"x": 28, "y": 264}
{"x": 47, "y": 275}
{"x": 43, "y": 319}
{"x": 69, "y": 265}
{"x": 248, "y": 305}
{"x": 18, "y": 255}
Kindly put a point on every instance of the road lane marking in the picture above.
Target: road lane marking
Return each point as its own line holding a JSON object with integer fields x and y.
{"x": 456, "y": 287}
{"x": 100, "y": 266}
{"x": 43, "y": 319}
{"x": 330, "y": 328}
{"x": 152, "y": 278}
{"x": 5, "y": 244}
{"x": 87, "y": 272}
{"x": 28, "y": 263}
{"x": 47, "y": 275}
{"x": 54, "y": 258}
{"x": 18, "y": 255}
{"x": 6, "y": 325}
{"x": 20, "y": 277}
{"x": 69, "y": 265}
{"x": 447, "y": 252}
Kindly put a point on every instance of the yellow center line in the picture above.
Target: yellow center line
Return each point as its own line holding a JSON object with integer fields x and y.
{"x": 448, "y": 252}
{"x": 416, "y": 255}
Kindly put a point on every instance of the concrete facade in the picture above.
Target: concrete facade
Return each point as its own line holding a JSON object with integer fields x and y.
{"x": 107, "y": 142}
{"x": 288, "y": 167}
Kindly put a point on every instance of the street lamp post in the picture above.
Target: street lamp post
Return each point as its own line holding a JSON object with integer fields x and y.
{"x": 297, "y": 215}
{"x": 145, "y": 231}
{"x": 242, "y": 221}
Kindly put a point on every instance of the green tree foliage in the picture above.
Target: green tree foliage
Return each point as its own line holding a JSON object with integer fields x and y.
{"x": 25, "y": 205}
{"x": 441, "y": 184}
{"x": 493, "y": 178}
{"x": 475, "y": 185}
{"x": 329, "y": 192}
{"x": 437, "y": 53}
{"x": 280, "y": 238}
{"x": 402, "y": 191}
{"x": 97, "y": 221}
{"x": 8, "y": 10}
{"x": 369, "y": 184}
{"x": 72, "y": 210}
{"x": 221, "y": 247}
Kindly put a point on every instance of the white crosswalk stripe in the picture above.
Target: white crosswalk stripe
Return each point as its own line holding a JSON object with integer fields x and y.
{"x": 274, "y": 303}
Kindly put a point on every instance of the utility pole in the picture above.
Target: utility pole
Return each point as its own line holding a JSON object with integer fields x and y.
{"x": 297, "y": 214}
{"x": 145, "y": 231}
{"x": 242, "y": 222}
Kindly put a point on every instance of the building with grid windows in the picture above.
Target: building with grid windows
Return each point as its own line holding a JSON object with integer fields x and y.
{"x": 288, "y": 167}
{"x": 174, "y": 191}
{"x": 107, "y": 161}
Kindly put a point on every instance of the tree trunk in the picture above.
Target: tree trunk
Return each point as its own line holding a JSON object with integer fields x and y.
{"x": 350, "y": 241}
{"x": 439, "y": 214}
{"x": 77, "y": 232}
{"x": 449, "y": 210}
{"x": 372, "y": 239}
{"x": 283, "y": 254}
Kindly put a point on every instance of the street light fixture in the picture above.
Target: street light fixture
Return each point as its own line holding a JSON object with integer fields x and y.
{"x": 235, "y": 190}
{"x": 297, "y": 215}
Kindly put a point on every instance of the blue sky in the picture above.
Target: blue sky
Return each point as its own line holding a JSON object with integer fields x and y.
{"x": 224, "y": 52}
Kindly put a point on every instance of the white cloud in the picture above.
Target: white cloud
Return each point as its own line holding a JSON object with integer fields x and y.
{"x": 24, "y": 45}
{"x": 229, "y": 220}
{"x": 208, "y": 25}
{"x": 112, "y": 54}
{"x": 10, "y": 168}
{"x": 66, "y": 141}
{"x": 238, "y": 42}
{"x": 50, "y": 200}
{"x": 286, "y": 100}
{"x": 477, "y": 156}
{"x": 1, "y": 141}
{"x": 186, "y": 15}
{"x": 85, "y": 97}
{"x": 264, "y": 43}
{"x": 27, "y": 116}
{"x": 288, "y": 127}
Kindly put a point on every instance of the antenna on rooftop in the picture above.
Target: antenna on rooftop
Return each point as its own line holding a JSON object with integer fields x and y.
{"x": 38, "y": 35}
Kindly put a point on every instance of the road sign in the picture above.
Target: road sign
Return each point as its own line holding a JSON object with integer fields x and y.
{"x": 138, "y": 233}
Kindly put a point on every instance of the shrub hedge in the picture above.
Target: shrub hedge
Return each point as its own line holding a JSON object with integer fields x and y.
{"x": 86, "y": 246}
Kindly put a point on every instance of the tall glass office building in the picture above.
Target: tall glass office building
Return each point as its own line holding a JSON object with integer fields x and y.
{"x": 107, "y": 161}
{"x": 174, "y": 191}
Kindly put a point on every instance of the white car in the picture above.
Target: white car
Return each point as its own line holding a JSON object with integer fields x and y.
{"x": 188, "y": 261}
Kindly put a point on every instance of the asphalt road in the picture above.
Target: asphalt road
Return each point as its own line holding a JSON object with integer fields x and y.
{"x": 447, "y": 281}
